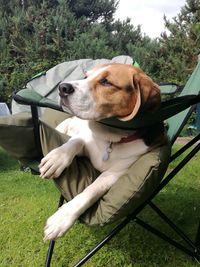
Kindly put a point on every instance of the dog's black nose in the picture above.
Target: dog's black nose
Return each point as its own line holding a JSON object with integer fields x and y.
{"x": 65, "y": 89}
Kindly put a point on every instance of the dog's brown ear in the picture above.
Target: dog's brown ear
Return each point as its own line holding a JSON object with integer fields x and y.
{"x": 136, "y": 99}
{"x": 146, "y": 95}
{"x": 150, "y": 93}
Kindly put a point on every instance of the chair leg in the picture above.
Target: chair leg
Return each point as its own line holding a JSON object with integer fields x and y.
{"x": 173, "y": 226}
{"x": 198, "y": 236}
{"x": 113, "y": 233}
{"x": 49, "y": 253}
{"x": 194, "y": 250}
{"x": 197, "y": 242}
{"x": 52, "y": 242}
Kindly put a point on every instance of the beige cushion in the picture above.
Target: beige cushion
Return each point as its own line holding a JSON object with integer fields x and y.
{"x": 124, "y": 196}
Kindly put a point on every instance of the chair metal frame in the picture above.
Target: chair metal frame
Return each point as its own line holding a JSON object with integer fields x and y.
{"x": 191, "y": 248}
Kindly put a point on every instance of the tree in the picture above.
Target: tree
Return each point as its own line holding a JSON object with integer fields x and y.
{"x": 93, "y": 10}
{"x": 180, "y": 48}
{"x": 36, "y": 35}
{"x": 123, "y": 33}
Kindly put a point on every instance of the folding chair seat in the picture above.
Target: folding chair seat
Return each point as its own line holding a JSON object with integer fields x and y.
{"x": 138, "y": 186}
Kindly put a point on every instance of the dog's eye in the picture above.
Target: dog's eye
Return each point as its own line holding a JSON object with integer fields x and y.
{"x": 105, "y": 82}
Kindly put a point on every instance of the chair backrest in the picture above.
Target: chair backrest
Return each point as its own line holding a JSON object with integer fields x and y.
{"x": 177, "y": 122}
{"x": 168, "y": 88}
{"x": 46, "y": 83}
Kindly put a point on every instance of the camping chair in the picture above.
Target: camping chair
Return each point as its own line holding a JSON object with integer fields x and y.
{"x": 176, "y": 111}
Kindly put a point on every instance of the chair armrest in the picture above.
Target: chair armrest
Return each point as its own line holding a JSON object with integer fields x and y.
{"x": 167, "y": 109}
{"x": 32, "y": 98}
{"x": 170, "y": 88}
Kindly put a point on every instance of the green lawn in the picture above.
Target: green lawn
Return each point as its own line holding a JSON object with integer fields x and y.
{"x": 26, "y": 201}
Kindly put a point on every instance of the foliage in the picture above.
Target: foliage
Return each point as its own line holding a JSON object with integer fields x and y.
{"x": 36, "y": 35}
{"x": 181, "y": 47}
{"x": 93, "y": 10}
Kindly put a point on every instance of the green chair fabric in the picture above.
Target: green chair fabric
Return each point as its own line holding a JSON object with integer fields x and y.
{"x": 177, "y": 122}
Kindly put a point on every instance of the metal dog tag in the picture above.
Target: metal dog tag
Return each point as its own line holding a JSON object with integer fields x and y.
{"x": 107, "y": 152}
{"x": 105, "y": 156}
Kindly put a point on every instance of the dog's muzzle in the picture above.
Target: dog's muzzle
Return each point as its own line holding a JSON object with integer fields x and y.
{"x": 65, "y": 89}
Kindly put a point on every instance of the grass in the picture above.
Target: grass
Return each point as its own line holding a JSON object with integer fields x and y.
{"x": 26, "y": 201}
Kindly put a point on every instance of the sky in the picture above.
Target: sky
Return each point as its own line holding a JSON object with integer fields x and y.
{"x": 149, "y": 13}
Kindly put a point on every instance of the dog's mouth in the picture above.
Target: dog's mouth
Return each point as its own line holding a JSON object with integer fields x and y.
{"x": 86, "y": 114}
{"x": 64, "y": 103}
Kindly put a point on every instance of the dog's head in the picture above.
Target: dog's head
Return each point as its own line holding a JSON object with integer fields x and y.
{"x": 111, "y": 90}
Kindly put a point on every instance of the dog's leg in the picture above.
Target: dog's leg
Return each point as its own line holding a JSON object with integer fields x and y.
{"x": 53, "y": 164}
{"x": 66, "y": 216}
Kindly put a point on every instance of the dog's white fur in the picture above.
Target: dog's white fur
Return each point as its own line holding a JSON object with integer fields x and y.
{"x": 91, "y": 139}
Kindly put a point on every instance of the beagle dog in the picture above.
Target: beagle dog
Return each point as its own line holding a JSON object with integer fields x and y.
{"x": 111, "y": 90}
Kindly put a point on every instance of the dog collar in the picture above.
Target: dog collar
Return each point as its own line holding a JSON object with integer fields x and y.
{"x": 129, "y": 138}
{"x": 123, "y": 140}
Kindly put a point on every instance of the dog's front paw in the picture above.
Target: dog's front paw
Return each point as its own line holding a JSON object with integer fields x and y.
{"x": 54, "y": 163}
{"x": 59, "y": 223}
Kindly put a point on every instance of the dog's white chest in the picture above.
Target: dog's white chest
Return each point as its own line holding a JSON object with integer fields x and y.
{"x": 102, "y": 146}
